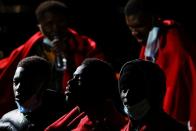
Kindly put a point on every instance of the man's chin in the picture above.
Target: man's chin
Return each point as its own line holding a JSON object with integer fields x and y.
{"x": 19, "y": 100}
{"x": 141, "y": 42}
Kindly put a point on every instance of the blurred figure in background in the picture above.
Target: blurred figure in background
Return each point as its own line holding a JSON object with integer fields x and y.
{"x": 164, "y": 42}
{"x": 56, "y": 42}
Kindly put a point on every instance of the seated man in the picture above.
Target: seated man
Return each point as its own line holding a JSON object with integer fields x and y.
{"x": 94, "y": 90}
{"x": 142, "y": 86}
{"x": 30, "y": 83}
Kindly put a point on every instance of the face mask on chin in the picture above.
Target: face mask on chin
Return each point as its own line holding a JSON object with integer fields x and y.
{"x": 22, "y": 109}
{"x": 30, "y": 105}
{"x": 139, "y": 110}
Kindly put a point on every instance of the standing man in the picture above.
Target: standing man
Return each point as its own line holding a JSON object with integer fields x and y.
{"x": 56, "y": 42}
{"x": 165, "y": 43}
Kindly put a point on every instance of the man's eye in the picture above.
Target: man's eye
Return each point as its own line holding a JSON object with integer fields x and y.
{"x": 79, "y": 83}
{"x": 77, "y": 79}
{"x": 15, "y": 81}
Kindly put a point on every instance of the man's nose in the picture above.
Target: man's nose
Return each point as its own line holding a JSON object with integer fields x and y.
{"x": 134, "y": 32}
{"x": 55, "y": 27}
{"x": 17, "y": 86}
{"x": 124, "y": 93}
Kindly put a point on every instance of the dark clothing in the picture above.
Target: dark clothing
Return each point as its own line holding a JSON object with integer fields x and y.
{"x": 26, "y": 122}
{"x": 14, "y": 119}
{"x": 158, "y": 122}
{"x": 52, "y": 108}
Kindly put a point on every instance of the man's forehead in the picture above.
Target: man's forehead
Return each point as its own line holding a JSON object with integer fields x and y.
{"x": 18, "y": 72}
{"x": 79, "y": 70}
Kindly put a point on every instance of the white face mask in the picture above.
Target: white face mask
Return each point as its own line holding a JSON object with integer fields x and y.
{"x": 138, "y": 110}
{"x": 48, "y": 42}
{"x": 30, "y": 105}
{"x": 22, "y": 109}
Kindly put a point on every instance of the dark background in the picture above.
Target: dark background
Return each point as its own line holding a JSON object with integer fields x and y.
{"x": 103, "y": 20}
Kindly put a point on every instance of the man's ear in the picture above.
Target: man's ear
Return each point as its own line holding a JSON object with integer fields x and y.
{"x": 40, "y": 28}
{"x": 126, "y": 19}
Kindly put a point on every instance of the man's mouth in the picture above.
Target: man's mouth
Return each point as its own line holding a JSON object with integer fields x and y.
{"x": 67, "y": 92}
